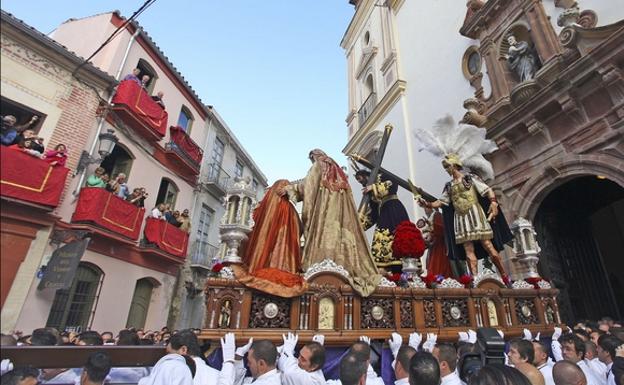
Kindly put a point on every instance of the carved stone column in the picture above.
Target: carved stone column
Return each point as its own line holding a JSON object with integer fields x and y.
{"x": 542, "y": 32}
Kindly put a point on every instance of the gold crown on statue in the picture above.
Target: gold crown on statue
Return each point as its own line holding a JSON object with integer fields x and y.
{"x": 452, "y": 159}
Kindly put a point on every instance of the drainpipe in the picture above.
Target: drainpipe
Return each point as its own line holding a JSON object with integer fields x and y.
{"x": 103, "y": 118}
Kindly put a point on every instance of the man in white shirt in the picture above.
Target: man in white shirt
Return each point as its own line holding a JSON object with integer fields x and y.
{"x": 446, "y": 354}
{"x": 353, "y": 369}
{"x": 592, "y": 360}
{"x": 308, "y": 369}
{"x": 402, "y": 356}
{"x": 607, "y": 344}
{"x": 541, "y": 362}
{"x": 261, "y": 360}
{"x": 572, "y": 348}
{"x": 424, "y": 369}
{"x": 171, "y": 369}
{"x": 567, "y": 373}
{"x": 362, "y": 351}
{"x": 157, "y": 212}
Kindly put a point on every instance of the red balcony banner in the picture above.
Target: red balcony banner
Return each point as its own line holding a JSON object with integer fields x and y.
{"x": 166, "y": 236}
{"x": 107, "y": 210}
{"x": 186, "y": 144}
{"x": 29, "y": 179}
{"x": 135, "y": 97}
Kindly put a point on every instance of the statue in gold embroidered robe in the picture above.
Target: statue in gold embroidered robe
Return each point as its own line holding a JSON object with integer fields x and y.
{"x": 331, "y": 225}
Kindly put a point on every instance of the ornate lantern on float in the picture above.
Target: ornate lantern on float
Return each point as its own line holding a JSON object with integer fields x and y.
{"x": 237, "y": 222}
{"x": 526, "y": 248}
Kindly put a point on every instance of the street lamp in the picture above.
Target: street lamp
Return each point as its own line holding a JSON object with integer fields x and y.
{"x": 108, "y": 140}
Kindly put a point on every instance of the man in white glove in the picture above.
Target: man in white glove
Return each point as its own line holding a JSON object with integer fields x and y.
{"x": 401, "y": 364}
{"x": 430, "y": 343}
{"x": 472, "y": 336}
{"x": 572, "y": 348}
{"x": 261, "y": 360}
{"x": 308, "y": 369}
{"x": 555, "y": 346}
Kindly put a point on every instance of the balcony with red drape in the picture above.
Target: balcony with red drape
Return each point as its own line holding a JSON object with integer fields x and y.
{"x": 136, "y": 108}
{"x": 106, "y": 210}
{"x": 166, "y": 237}
{"x": 184, "y": 151}
{"x": 26, "y": 178}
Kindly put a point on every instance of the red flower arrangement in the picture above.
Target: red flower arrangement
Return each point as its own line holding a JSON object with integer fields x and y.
{"x": 408, "y": 241}
{"x": 466, "y": 280}
{"x": 217, "y": 267}
{"x": 432, "y": 280}
{"x": 394, "y": 277}
{"x": 534, "y": 281}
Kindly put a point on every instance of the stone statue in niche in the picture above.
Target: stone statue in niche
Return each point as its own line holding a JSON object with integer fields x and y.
{"x": 521, "y": 59}
{"x": 226, "y": 312}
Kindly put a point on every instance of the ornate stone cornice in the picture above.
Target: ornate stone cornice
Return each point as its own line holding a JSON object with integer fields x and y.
{"x": 389, "y": 99}
{"x": 367, "y": 57}
{"x": 362, "y": 12}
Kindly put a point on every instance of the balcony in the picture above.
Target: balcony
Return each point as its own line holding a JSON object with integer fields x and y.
{"x": 136, "y": 109}
{"x": 216, "y": 180}
{"x": 100, "y": 208}
{"x": 203, "y": 254}
{"x": 166, "y": 237}
{"x": 367, "y": 109}
{"x": 26, "y": 179}
{"x": 183, "y": 151}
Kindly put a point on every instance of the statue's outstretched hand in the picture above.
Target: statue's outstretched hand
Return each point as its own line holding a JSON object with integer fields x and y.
{"x": 493, "y": 211}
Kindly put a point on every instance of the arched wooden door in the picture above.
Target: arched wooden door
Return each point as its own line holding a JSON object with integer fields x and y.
{"x": 140, "y": 303}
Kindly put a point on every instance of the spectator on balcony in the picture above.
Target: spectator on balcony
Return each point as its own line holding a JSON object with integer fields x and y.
{"x": 138, "y": 197}
{"x": 96, "y": 179}
{"x": 185, "y": 221}
{"x": 27, "y": 146}
{"x": 158, "y": 99}
{"x": 157, "y": 212}
{"x": 174, "y": 219}
{"x": 145, "y": 82}
{"x": 10, "y": 133}
{"x": 167, "y": 213}
{"x": 134, "y": 76}
{"x": 58, "y": 156}
{"x": 119, "y": 187}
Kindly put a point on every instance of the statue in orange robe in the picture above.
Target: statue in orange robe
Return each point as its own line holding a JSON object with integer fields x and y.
{"x": 273, "y": 252}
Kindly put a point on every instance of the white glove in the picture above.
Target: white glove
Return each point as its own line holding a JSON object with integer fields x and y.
{"x": 414, "y": 340}
{"x": 527, "y": 334}
{"x": 501, "y": 333}
{"x": 556, "y": 334}
{"x": 430, "y": 343}
{"x": 228, "y": 347}
{"x": 365, "y": 339}
{"x": 290, "y": 342}
{"x": 463, "y": 336}
{"x": 280, "y": 350}
{"x": 537, "y": 336}
{"x": 395, "y": 343}
{"x": 245, "y": 348}
{"x": 5, "y": 366}
{"x": 472, "y": 336}
{"x": 319, "y": 338}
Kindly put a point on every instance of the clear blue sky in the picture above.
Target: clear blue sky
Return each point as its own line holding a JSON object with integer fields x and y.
{"x": 273, "y": 69}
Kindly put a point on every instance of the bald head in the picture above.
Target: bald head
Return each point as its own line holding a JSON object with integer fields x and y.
{"x": 567, "y": 373}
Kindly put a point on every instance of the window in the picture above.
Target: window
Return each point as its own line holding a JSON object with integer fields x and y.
{"x": 167, "y": 193}
{"x": 369, "y": 85}
{"x": 238, "y": 171}
{"x": 22, "y": 114}
{"x": 216, "y": 158}
{"x": 147, "y": 69}
{"x": 74, "y": 307}
{"x": 366, "y": 38}
{"x": 140, "y": 303}
{"x": 185, "y": 120}
{"x": 254, "y": 184}
{"x": 119, "y": 161}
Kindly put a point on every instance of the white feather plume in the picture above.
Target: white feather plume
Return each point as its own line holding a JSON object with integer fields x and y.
{"x": 467, "y": 141}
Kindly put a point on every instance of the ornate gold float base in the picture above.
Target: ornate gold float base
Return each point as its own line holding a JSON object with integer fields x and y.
{"x": 332, "y": 308}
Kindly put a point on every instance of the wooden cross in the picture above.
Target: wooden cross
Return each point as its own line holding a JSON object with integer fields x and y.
{"x": 406, "y": 184}
{"x": 375, "y": 166}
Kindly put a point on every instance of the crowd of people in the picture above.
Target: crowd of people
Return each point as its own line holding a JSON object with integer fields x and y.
{"x": 591, "y": 353}
{"x": 23, "y": 138}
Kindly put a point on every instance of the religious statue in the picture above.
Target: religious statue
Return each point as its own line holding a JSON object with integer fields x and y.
{"x": 384, "y": 210}
{"x": 331, "y": 227}
{"x": 432, "y": 228}
{"x": 273, "y": 252}
{"x": 226, "y": 313}
{"x": 521, "y": 59}
{"x": 468, "y": 204}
